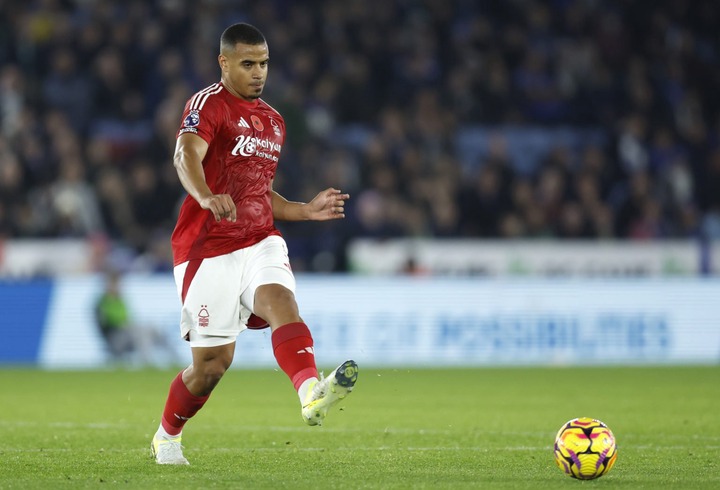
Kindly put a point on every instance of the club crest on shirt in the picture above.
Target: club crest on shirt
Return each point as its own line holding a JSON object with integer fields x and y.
{"x": 276, "y": 127}
{"x": 192, "y": 119}
{"x": 204, "y": 316}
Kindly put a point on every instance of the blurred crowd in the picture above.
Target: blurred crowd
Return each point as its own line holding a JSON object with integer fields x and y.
{"x": 375, "y": 94}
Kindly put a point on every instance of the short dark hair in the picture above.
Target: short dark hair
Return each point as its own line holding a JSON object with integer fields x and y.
{"x": 241, "y": 33}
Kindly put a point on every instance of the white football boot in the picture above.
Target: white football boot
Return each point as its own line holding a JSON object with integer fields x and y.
{"x": 326, "y": 392}
{"x": 167, "y": 450}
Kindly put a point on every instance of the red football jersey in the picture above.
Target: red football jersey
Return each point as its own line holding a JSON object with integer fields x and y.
{"x": 245, "y": 140}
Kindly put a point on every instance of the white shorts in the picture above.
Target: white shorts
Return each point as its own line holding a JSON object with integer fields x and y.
{"x": 220, "y": 294}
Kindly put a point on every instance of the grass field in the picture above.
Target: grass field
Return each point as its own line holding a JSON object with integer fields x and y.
{"x": 403, "y": 428}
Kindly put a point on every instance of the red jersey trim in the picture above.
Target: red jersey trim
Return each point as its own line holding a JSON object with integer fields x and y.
{"x": 190, "y": 272}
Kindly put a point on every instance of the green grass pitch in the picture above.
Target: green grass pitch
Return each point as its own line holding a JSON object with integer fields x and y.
{"x": 401, "y": 428}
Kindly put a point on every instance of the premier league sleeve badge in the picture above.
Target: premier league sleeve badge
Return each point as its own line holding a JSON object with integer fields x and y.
{"x": 192, "y": 119}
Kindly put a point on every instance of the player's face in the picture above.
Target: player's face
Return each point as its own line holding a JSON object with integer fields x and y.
{"x": 244, "y": 69}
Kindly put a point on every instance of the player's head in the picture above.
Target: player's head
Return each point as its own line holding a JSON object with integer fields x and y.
{"x": 241, "y": 33}
{"x": 243, "y": 60}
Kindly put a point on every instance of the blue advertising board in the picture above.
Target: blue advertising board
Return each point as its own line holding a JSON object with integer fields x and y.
{"x": 400, "y": 321}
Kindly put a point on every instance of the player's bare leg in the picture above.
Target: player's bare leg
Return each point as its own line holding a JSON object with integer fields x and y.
{"x": 188, "y": 393}
{"x": 208, "y": 367}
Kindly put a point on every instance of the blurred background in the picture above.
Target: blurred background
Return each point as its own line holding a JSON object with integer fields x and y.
{"x": 530, "y": 181}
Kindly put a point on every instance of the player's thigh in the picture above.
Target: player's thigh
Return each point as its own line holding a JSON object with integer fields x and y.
{"x": 269, "y": 264}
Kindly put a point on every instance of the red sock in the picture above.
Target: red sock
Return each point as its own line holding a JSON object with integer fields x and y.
{"x": 181, "y": 405}
{"x": 293, "y": 348}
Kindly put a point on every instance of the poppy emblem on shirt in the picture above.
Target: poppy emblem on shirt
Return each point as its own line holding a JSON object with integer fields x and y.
{"x": 257, "y": 123}
{"x": 192, "y": 119}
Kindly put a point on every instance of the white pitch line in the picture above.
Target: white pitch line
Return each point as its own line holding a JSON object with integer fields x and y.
{"x": 351, "y": 430}
{"x": 271, "y": 428}
{"x": 284, "y": 448}
{"x": 291, "y": 448}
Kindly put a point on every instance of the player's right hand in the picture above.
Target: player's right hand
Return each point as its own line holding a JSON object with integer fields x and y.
{"x": 221, "y": 206}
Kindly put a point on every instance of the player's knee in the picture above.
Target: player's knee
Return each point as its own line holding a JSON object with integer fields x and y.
{"x": 285, "y": 297}
{"x": 268, "y": 295}
{"x": 275, "y": 304}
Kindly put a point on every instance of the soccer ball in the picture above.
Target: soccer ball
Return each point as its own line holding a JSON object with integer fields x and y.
{"x": 585, "y": 448}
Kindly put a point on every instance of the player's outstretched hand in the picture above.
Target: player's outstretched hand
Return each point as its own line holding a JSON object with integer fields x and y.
{"x": 221, "y": 206}
{"x": 328, "y": 204}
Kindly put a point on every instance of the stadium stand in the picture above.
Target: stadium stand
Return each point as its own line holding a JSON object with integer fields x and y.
{"x": 442, "y": 118}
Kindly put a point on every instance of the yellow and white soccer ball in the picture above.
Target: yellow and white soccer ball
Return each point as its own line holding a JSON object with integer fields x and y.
{"x": 585, "y": 448}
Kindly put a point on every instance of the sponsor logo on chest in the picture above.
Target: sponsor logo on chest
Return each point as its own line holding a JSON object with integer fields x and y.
{"x": 247, "y": 145}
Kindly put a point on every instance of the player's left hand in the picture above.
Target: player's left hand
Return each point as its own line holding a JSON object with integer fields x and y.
{"x": 328, "y": 204}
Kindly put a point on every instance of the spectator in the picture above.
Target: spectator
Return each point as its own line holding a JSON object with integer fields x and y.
{"x": 73, "y": 203}
{"x": 128, "y": 343}
{"x": 68, "y": 90}
{"x": 113, "y": 320}
{"x": 84, "y": 92}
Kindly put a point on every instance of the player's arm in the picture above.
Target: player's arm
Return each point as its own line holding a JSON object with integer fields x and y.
{"x": 328, "y": 204}
{"x": 190, "y": 150}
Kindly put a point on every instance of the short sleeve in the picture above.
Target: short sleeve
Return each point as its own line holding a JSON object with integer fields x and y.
{"x": 200, "y": 120}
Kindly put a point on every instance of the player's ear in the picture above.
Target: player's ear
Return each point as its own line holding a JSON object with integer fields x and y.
{"x": 222, "y": 61}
